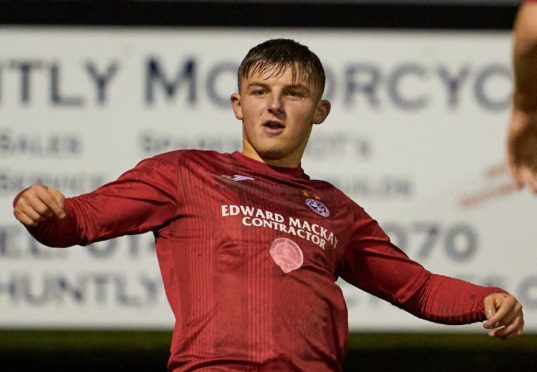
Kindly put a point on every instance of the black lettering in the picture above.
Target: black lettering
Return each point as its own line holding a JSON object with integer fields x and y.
{"x": 101, "y": 80}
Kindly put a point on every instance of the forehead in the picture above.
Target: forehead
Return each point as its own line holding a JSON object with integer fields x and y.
{"x": 287, "y": 74}
{"x": 285, "y": 78}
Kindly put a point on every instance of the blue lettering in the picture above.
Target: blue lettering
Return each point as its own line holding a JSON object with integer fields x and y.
{"x": 362, "y": 78}
{"x": 480, "y": 88}
{"x": 394, "y": 84}
{"x": 220, "y": 99}
{"x": 101, "y": 80}
{"x": 453, "y": 83}
{"x": 25, "y": 69}
{"x": 55, "y": 94}
{"x": 155, "y": 77}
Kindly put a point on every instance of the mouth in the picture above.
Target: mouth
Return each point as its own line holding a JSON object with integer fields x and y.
{"x": 274, "y": 126}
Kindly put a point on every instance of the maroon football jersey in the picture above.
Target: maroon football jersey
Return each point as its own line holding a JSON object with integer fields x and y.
{"x": 250, "y": 254}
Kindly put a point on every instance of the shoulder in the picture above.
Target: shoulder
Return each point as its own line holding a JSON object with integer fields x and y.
{"x": 335, "y": 195}
{"x": 183, "y": 162}
{"x": 181, "y": 156}
{"x": 173, "y": 162}
{"x": 330, "y": 189}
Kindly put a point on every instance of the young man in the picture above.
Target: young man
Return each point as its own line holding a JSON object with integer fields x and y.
{"x": 250, "y": 248}
{"x": 522, "y": 136}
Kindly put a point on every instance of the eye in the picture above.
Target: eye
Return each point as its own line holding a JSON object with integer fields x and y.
{"x": 295, "y": 93}
{"x": 257, "y": 92}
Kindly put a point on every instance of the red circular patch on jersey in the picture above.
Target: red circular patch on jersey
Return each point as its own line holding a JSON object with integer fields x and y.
{"x": 286, "y": 254}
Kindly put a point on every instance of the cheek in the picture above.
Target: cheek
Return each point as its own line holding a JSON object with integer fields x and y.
{"x": 301, "y": 114}
{"x": 251, "y": 112}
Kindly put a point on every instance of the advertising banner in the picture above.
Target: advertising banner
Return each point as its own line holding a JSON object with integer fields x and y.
{"x": 416, "y": 136}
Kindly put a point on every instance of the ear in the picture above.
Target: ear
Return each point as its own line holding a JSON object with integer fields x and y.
{"x": 235, "y": 100}
{"x": 323, "y": 109}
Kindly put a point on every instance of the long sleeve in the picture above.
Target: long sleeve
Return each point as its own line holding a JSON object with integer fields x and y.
{"x": 140, "y": 200}
{"x": 375, "y": 265}
{"x": 448, "y": 300}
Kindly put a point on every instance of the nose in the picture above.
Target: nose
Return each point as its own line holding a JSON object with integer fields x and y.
{"x": 275, "y": 105}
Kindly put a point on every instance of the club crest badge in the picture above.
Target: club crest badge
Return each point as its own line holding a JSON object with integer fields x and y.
{"x": 318, "y": 207}
{"x": 286, "y": 254}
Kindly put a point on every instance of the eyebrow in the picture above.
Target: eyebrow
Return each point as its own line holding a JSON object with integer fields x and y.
{"x": 294, "y": 86}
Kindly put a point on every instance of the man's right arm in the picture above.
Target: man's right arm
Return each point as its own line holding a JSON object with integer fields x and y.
{"x": 141, "y": 200}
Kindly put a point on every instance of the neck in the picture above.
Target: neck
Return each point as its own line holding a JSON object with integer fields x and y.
{"x": 285, "y": 162}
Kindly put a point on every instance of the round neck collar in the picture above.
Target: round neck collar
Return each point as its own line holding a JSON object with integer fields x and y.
{"x": 286, "y": 172}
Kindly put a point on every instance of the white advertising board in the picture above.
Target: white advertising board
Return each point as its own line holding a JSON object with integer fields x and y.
{"x": 416, "y": 136}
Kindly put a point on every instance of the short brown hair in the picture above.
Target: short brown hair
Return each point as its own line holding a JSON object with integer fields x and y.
{"x": 276, "y": 55}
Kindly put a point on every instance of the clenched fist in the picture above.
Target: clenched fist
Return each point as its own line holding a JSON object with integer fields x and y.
{"x": 38, "y": 202}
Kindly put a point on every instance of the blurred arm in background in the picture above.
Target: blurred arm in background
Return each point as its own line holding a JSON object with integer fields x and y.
{"x": 522, "y": 133}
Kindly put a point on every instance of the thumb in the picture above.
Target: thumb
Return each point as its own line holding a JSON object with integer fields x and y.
{"x": 490, "y": 306}
{"x": 59, "y": 198}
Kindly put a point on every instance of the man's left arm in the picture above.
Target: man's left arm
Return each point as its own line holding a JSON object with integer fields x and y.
{"x": 449, "y": 300}
{"x": 374, "y": 264}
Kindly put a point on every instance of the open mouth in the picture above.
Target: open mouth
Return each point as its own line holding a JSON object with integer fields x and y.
{"x": 274, "y": 125}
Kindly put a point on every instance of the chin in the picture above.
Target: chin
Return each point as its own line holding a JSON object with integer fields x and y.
{"x": 272, "y": 154}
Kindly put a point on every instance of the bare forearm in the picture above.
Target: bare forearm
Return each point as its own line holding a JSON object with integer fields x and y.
{"x": 525, "y": 58}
